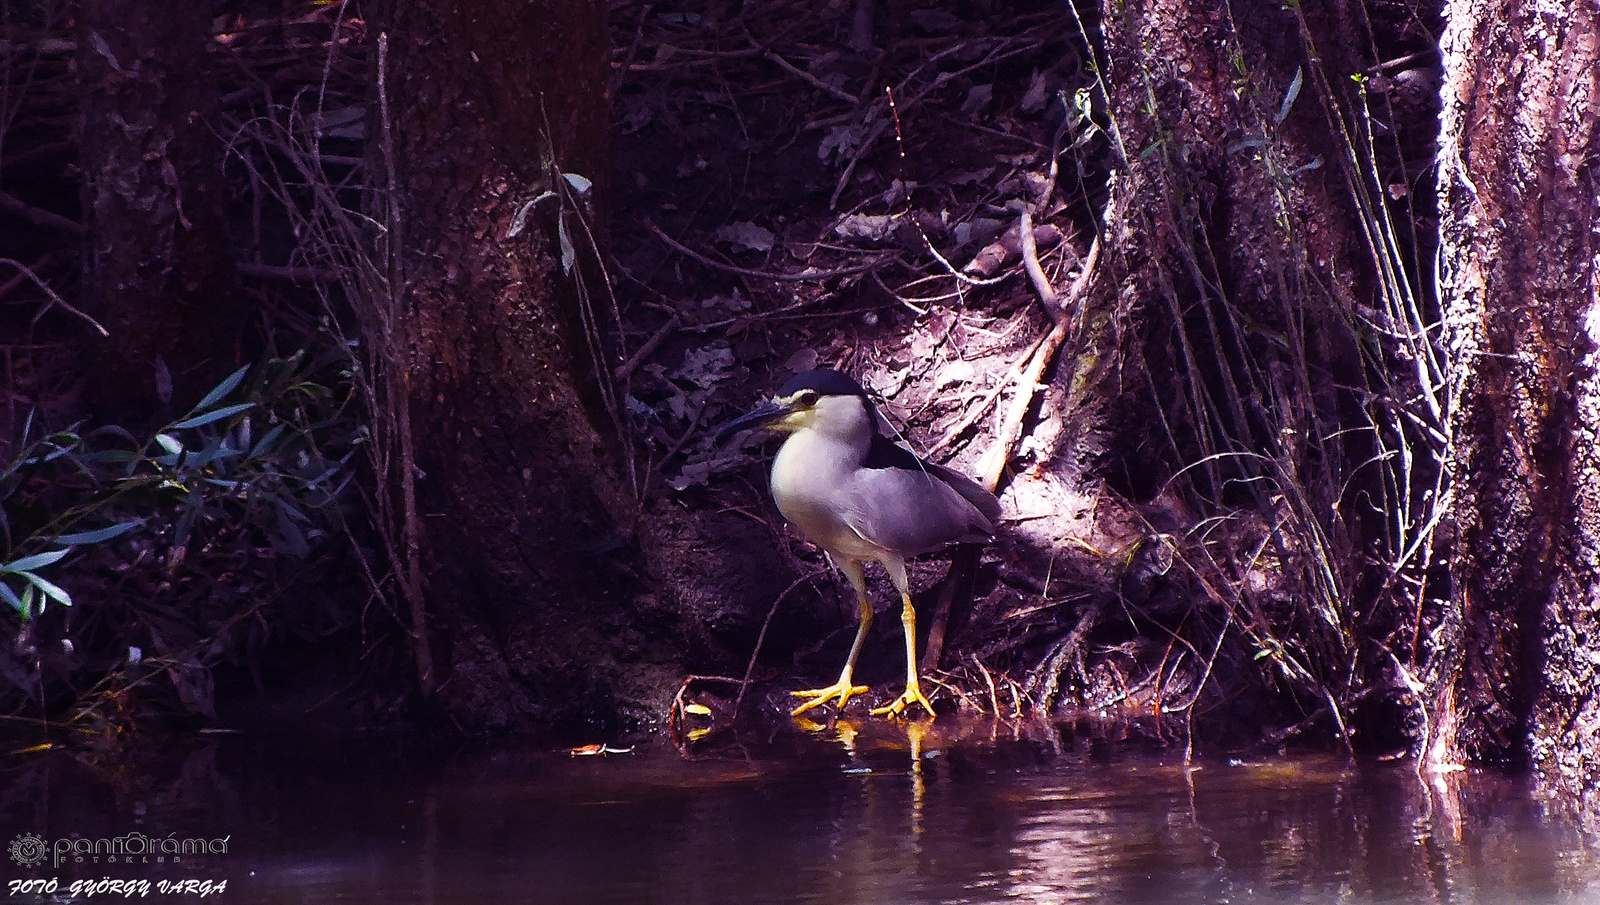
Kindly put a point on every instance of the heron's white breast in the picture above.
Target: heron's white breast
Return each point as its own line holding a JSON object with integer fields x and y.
{"x": 808, "y": 474}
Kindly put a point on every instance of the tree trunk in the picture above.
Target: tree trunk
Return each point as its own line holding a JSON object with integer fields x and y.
{"x": 157, "y": 270}
{"x": 523, "y": 509}
{"x": 1518, "y": 189}
{"x": 1244, "y": 236}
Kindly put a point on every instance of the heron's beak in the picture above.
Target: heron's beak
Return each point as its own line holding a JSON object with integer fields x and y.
{"x": 760, "y": 417}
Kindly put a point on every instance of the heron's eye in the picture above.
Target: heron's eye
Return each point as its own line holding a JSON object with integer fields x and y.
{"x": 808, "y": 398}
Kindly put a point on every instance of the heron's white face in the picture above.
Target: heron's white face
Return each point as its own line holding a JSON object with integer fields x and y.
{"x": 810, "y": 410}
{"x": 795, "y": 413}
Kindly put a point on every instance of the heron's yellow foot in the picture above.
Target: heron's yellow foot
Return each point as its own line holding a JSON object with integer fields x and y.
{"x": 912, "y": 695}
{"x": 843, "y": 691}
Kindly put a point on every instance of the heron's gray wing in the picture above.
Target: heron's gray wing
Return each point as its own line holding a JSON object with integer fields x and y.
{"x": 911, "y": 511}
{"x": 970, "y": 490}
{"x": 884, "y": 453}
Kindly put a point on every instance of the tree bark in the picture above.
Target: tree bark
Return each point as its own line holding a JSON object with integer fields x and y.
{"x": 523, "y": 509}
{"x": 1238, "y": 252}
{"x": 157, "y": 270}
{"x": 1518, "y": 187}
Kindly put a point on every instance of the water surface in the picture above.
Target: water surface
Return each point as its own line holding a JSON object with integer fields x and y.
{"x": 981, "y": 814}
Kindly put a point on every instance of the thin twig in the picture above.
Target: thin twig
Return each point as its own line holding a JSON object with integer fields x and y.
{"x": 962, "y": 565}
{"x": 626, "y": 369}
{"x": 55, "y": 299}
{"x": 290, "y": 274}
{"x": 802, "y": 277}
{"x": 815, "y": 82}
{"x": 20, "y": 278}
{"x": 1030, "y": 263}
{"x": 994, "y": 697}
{"x": 762, "y": 637}
{"x": 398, "y": 397}
{"x": 40, "y": 217}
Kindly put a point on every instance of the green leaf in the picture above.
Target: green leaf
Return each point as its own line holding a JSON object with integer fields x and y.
{"x": 226, "y": 411}
{"x": 112, "y": 457}
{"x": 1248, "y": 144}
{"x": 520, "y": 221}
{"x": 59, "y": 452}
{"x": 1288, "y": 98}
{"x": 10, "y": 596}
{"x": 578, "y": 183}
{"x": 287, "y": 507}
{"x": 54, "y": 592}
{"x": 569, "y": 255}
{"x": 169, "y": 443}
{"x": 29, "y": 563}
{"x": 99, "y": 535}
{"x": 294, "y": 540}
{"x": 220, "y": 390}
{"x": 120, "y": 433}
{"x": 265, "y": 443}
{"x": 213, "y": 452}
{"x": 180, "y": 533}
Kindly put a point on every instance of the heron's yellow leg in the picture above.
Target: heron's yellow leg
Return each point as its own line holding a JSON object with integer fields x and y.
{"x": 843, "y": 690}
{"x": 913, "y": 693}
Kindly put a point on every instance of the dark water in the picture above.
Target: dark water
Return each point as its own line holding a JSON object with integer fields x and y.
{"x": 1058, "y": 815}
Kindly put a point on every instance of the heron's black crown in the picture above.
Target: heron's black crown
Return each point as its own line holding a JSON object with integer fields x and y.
{"x": 825, "y": 381}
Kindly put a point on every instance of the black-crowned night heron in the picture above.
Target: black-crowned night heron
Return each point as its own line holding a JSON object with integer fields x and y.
{"x": 861, "y": 498}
